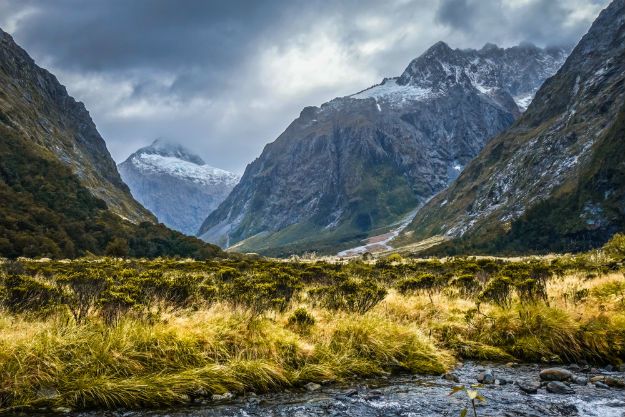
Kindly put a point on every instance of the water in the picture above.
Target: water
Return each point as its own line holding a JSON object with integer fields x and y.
{"x": 412, "y": 397}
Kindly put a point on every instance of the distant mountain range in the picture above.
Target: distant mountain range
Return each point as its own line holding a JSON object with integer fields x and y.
{"x": 175, "y": 184}
{"x": 60, "y": 192}
{"x": 556, "y": 179}
{"x": 357, "y": 165}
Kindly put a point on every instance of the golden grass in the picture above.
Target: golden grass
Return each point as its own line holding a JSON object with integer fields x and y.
{"x": 53, "y": 362}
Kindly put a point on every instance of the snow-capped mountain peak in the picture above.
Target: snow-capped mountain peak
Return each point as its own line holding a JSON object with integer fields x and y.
{"x": 176, "y": 184}
{"x": 505, "y": 76}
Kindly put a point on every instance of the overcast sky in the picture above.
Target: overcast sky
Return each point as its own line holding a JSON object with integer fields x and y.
{"x": 225, "y": 78}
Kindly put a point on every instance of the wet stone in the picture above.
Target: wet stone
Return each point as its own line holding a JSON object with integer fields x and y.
{"x": 528, "y": 387}
{"x": 555, "y": 374}
{"x": 601, "y": 385}
{"x": 557, "y": 387}
{"x": 451, "y": 377}
{"x": 486, "y": 377}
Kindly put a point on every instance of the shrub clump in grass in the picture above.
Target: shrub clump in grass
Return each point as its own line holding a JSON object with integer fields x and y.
{"x": 352, "y": 294}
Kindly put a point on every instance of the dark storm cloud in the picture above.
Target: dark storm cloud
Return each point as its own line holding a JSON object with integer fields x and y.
{"x": 226, "y": 77}
{"x": 456, "y": 14}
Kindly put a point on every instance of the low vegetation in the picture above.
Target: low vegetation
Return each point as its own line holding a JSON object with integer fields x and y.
{"x": 113, "y": 332}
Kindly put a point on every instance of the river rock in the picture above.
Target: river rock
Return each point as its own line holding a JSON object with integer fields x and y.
{"x": 222, "y": 397}
{"x": 614, "y": 382}
{"x": 451, "y": 377}
{"x": 555, "y": 374}
{"x": 601, "y": 385}
{"x": 557, "y": 387}
{"x": 311, "y": 386}
{"x": 609, "y": 368}
{"x": 621, "y": 367}
{"x": 579, "y": 380}
{"x": 528, "y": 387}
{"x": 486, "y": 377}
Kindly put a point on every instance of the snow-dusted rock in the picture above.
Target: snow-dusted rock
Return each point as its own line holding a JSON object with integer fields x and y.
{"x": 175, "y": 184}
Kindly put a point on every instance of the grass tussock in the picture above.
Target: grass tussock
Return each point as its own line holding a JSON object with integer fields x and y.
{"x": 105, "y": 334}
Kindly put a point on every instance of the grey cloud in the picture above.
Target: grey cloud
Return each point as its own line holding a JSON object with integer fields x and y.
{"x": 201, "y": 60}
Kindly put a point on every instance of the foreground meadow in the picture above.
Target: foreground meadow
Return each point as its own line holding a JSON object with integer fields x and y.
{"x": 110, "y": 333}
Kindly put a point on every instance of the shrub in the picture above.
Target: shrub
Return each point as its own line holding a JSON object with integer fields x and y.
{"x": 81, "y": 291}
{"x": 355, "y": 295}
{"x": 498, "y": 291}
{"x": 24, "y": 294}
{"x": 301, "y": 320}
{"x": 423, "y": 283}
{"x": 467, "y": 284}
{"x": 616, "y": 246}
{"x": 262, "y": 292}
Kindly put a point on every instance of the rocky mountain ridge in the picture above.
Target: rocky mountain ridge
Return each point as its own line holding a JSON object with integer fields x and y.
{"x": 355, "y": 165}
{"x": 556, "y": 179}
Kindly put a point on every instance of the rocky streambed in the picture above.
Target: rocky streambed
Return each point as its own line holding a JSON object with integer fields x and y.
{"x": 511, "y": 391}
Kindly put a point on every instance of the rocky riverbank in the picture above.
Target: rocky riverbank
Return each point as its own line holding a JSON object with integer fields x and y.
{"x": 510, "y": 391}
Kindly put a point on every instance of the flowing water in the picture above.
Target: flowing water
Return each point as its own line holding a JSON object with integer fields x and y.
{"x": 413, "y": 396}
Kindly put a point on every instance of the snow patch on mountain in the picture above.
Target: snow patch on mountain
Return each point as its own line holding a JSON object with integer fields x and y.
{"x": 391, "y": 92}
{"x": 171, "y": 165}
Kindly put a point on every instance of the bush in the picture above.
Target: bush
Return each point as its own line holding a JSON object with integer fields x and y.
{"x": 498, "y": 291}
{"x": 616, "y": 247}
{"x": 355, "y": 295}
{"x": 467, "y": 284}
{"x": 301, "y": 319}
{"x": 261, "y": 292}
{"x": 423, "y": 283}
{"x": 24, "y": 294}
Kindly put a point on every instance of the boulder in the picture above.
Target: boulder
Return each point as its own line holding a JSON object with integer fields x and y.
{"x": 528, "y": 387}
{"x": 557, "y": 387}
{"x": 555, "y": 374}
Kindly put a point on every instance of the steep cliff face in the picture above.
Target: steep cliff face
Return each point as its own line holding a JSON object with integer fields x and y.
{"x": 33, "y": 102}
{"x": 175, "y": 184}
{"x": 60, "y": 193}
{"x": 554, "y": 180}
{"x": 358, "y": 164}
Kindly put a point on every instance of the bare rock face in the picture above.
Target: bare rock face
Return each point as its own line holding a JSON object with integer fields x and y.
{"x": 33, "y": 102}
{"x": 175, "y": 184}
{"x": 555, "y": 181}
{"x": 354, "y": 166}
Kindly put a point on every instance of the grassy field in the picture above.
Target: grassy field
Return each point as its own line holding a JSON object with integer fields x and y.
{"x": 109, "y": 333}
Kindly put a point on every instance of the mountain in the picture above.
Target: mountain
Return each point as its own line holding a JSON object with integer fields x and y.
{"x": 358, "y": 164}
{"x": 60, "y": 192}
{"x": 554, "y": 181}
{"x": 175, "y": 184}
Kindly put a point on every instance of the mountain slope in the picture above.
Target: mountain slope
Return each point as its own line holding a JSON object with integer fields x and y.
{"x": 60, "y": 193}
{"x": 176, "y": 185}
{"x": 358, "y": 164}
{"x": 33, "y": 101}
{"x": 554, "y": 181}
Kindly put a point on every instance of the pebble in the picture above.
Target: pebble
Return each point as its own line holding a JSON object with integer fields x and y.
{"x": 311, "y": 386}
{"x": 451, "y": 377}
{"x": 486, "y": 377}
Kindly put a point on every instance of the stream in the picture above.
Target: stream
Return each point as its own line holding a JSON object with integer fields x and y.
{"x": 415, "y": 396}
